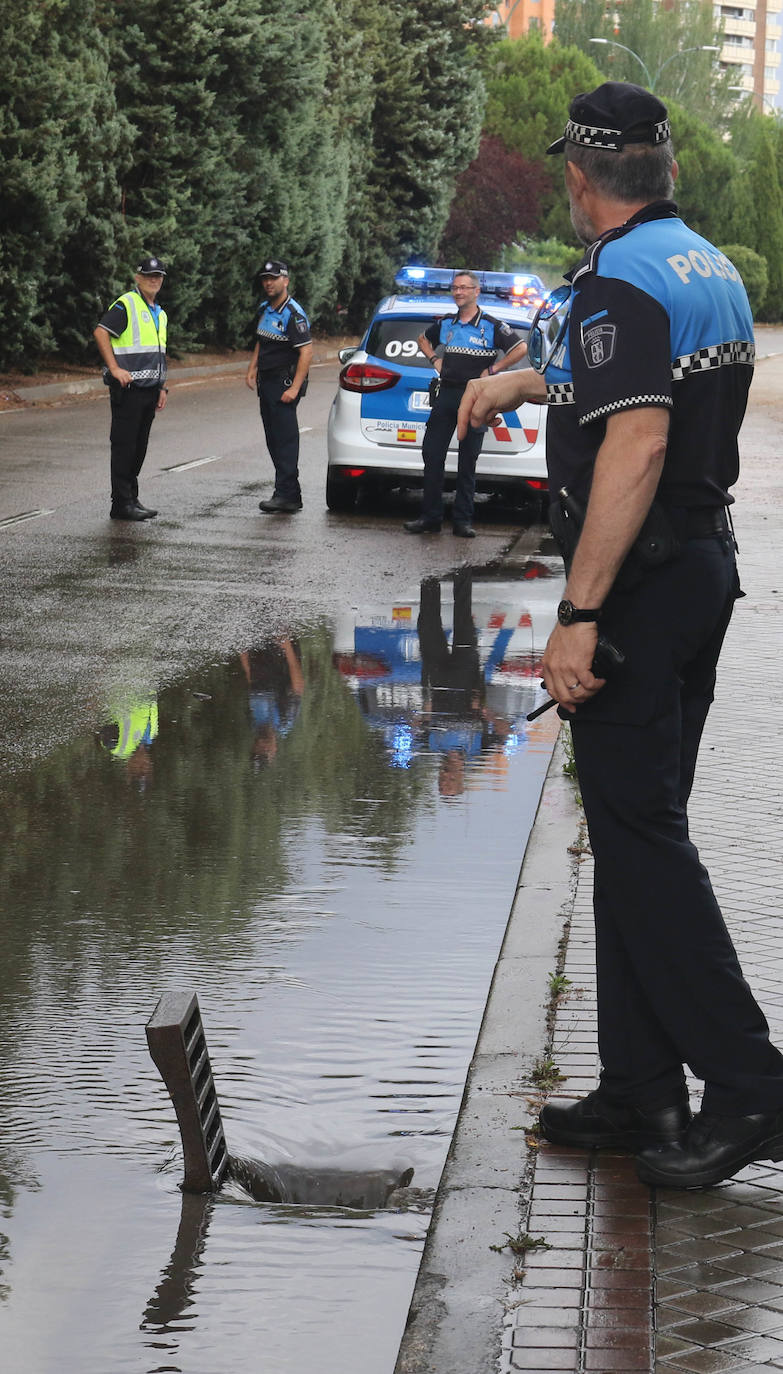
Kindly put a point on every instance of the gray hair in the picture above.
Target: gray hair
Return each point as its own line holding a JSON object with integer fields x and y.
{"x": 637, "y": 172}
{"x": 473, "y": 277}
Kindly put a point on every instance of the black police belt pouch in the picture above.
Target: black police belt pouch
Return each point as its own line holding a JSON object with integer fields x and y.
{"x": 655, "y": 544}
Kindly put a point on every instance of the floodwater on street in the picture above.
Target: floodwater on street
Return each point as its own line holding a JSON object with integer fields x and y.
{"x": 322, "y": 838}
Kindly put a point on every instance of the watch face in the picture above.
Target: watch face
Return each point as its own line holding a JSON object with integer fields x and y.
{"x": 565, "y": 612}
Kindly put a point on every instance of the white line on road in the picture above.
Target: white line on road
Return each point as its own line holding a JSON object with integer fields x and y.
{"x": 195, "y": 463}
{"x": 27, "y": 515}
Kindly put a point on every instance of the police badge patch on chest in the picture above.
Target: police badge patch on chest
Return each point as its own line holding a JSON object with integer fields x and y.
{"x": 598, "y": 342}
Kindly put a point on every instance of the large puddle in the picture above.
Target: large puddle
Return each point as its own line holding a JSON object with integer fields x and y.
{"x": 322, "y": 839}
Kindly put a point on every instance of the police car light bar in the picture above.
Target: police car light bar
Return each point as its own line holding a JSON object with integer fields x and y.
{"x": 520, "y": 286}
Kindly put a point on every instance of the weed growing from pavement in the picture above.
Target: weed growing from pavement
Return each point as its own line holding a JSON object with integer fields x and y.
{"x": 519, "y": 1245}
{"x": 546, "y": 1075}
{"x": 558, "y": 984}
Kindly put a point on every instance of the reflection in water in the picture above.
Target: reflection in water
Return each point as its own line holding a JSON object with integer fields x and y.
{"x": 340, "y": 920}
{"x": 461, "y": 686}
{"x": 174, "y": 1293}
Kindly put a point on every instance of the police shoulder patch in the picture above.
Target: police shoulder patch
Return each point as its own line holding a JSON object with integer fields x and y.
{"x": 599, "y": 339}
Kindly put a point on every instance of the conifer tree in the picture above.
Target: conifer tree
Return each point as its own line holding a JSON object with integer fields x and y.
{"x": 61, "y": 140}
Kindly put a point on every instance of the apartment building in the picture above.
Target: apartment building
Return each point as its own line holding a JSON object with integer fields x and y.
{"x": 519, "y": 16}
{"x": 752, "y": 47}
{"x": 752, "y": 39}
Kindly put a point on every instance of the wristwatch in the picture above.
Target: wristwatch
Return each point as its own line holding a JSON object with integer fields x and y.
{"x": 568, "y": 614}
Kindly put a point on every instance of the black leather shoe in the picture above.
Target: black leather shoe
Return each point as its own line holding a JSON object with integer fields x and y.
{"x": 277, "y": 505}
{"x": 127, "y": 513}
{"x": 713, "y": 1148}
{"x": 146, "y": 511}
{"x": 422, "y": 526}
{"x": 463, "y": 531}
{"x": 594, "y": 1122}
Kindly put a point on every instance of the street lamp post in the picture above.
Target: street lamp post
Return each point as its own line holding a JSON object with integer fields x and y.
{"x": 754, "y": 98}
{"x": 612, "y": 43}
{"x": 652, "y": 81}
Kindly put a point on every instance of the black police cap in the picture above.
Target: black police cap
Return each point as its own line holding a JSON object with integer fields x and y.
{"x": 614, "y": 115}
{"x": 149, "y": 266}
{"x": 274, "y": 268}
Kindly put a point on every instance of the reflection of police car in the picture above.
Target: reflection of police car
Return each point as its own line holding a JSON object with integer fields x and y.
{"x": 377, "y": 420}
{"x": 381, "y": 655}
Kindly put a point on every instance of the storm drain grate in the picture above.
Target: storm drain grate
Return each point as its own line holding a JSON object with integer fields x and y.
{"x": 178, "y": 1045}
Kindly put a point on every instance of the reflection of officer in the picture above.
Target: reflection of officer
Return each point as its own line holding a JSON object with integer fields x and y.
{"x": 452, "y": 680}
{"x": 128, "y": 738}
{"x": 275, "y": 689}
{"x": 450, "y": 674}
{"x": 131, "y": 339}
{"x": 278, "y": 372}
{"x": 471, "y": 342}
{"x": 646, "y": 396}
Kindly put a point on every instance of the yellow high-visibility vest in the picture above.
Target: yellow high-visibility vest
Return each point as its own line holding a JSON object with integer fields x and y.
{"x": 141, "y": 347}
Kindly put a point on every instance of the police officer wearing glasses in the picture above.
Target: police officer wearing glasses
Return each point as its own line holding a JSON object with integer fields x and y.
{"x": 278, "y": 372}
{"x": 646, "y": 360}
{"x": 467, "y": 344}
{"x": 131, "y": 340}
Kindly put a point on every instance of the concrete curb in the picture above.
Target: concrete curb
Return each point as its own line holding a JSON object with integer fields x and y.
{"x": 455, "y": 1318}
{"x": 85, "y": 386}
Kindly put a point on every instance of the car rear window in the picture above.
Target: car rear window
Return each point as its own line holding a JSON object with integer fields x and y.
{"x": 395, "y": 340}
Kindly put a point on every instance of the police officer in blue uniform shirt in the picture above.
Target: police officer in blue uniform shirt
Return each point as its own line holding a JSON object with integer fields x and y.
{"x": 646, "y": 370}
{"x": 471, "y": 344}
{"x": 278, "y": 372}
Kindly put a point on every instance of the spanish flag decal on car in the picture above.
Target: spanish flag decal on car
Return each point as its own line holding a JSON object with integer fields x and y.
{"x": 406, "y": 436}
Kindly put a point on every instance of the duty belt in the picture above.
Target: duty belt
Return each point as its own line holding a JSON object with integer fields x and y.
{"x": 700, "y": 522}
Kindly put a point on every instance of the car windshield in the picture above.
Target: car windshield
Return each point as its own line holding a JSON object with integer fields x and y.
{"x": 396, "y": 340}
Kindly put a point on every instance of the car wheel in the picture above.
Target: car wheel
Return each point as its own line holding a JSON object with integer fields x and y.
{"x": 340, "y": 491}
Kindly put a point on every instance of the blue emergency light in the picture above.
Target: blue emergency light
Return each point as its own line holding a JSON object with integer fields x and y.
{"x": 523, "y": 287}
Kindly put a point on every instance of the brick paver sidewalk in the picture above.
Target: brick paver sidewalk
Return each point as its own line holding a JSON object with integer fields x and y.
{"x": 682, "y": 1281}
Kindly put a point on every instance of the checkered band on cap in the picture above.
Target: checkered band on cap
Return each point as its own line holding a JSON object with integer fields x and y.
{"x": 594, "y": 137}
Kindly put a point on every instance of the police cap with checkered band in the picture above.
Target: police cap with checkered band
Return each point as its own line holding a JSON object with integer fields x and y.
{"x": 613, "y": 116}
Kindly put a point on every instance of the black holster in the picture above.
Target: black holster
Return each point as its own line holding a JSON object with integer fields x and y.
{"x": 656, "y": 543}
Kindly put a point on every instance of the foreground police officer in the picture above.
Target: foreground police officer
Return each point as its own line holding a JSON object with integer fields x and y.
{"x": 131, "y": 340}
{"x": 278, "y": 372}
{"x": 472, "y": 343}
{"x": 647, "y": 388}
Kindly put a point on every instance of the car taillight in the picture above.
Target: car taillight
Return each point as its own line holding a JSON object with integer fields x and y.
{"x": 360, "y": 665}
{"x": 367, "y": 377}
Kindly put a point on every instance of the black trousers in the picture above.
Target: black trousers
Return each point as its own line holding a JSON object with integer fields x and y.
{"x": 132, "y": 412}
{"x": 437, "y": 436}
{"x": 670, "y": 988}
{"x": 281, "y": 430}
{"x": 450, "y": 672}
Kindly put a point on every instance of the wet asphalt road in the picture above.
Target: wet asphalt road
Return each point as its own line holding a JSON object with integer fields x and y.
{"x": 92, "y": 609}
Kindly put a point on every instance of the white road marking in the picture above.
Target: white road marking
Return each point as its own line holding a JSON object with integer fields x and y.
{"x": 27, "y": 515}
{"x": 195, "y": 463}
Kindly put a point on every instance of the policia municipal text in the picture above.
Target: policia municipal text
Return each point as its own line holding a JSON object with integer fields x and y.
{"x": 646, "y": 371}
{"x": 131, "y": 340}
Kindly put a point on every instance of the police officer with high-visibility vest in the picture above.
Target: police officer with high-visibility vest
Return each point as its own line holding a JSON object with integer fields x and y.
{"x": 131, "y": 340}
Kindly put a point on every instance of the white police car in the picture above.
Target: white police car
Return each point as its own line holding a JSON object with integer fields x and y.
{"x": 377, "y": 419}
